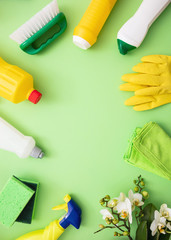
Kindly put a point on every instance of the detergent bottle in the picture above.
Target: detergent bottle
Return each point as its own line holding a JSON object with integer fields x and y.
{"x": 14, "y": 141}
{"x": 87, "y": 31}
{"x": 133, "y": 32}
{"x": 16, "y": 85}
{"x": 54, "y": 230}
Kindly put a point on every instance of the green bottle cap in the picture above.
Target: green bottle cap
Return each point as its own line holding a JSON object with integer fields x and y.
{"x": 124, "y": 47}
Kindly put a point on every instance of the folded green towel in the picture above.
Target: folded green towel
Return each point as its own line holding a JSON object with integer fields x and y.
{"x": 150, "y": 149}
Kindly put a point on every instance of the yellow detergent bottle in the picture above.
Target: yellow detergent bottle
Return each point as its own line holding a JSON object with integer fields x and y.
{"x": 54, "y": 230}
{"x": 16, "y": 85}
{"x": 86, "y": 33}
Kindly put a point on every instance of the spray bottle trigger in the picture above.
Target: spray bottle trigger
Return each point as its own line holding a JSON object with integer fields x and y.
{"x": 61, "y": 206}
{"x": 64, "y": 206}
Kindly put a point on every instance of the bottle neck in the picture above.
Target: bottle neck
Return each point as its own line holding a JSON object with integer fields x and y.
{"x": 29, "y": 92}
{"x": 53, "y": 231}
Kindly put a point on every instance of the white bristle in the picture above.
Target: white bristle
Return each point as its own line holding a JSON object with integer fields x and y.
{"x": 38, "y": 21}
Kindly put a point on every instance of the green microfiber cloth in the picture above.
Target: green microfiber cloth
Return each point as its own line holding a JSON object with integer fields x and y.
{"x": 27, "y": 214}
{"x": 150, "y": 149}
{"x": 13, "y": 199}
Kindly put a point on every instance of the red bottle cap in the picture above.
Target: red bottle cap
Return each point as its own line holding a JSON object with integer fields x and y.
{"x": 35, "y": 96}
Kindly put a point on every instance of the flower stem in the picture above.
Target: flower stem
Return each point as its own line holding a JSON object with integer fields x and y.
{"x": 138, "y": 184}
{"x": 107, "y": 227}
{"x": 158, "y": 235}
{"x": 118, "y": 227}
{"x": 136, "y": 217}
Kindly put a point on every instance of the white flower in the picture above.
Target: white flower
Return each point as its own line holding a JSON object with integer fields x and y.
{"x": 165, "y": 211}
{"x": 159, "y": 223}
{"x": 125, "y": 209}
{"x": 168, "y": 226}
{"x": 113, "y": 202}
{"x": 135, "y": 199}
{"x": 122, "y": 197}
{"x": 106, "y": 214}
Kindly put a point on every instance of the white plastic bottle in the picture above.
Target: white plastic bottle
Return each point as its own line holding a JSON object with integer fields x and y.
{"x": 133, "y": 32}
{"x": 14, "y": 141}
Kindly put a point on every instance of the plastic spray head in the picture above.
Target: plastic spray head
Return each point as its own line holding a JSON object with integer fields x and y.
{"x": 73, "y": 213}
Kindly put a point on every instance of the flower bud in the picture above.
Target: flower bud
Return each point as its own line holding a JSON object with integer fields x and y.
{"x": 136, "y": 189}
{"x": 108, "y": 221}
{"x": 101, "y": 200}
{"x": 107, "y": 197}
{"x": 115, "y": 202}
{"x": 142, "y": 183}
{"x": 135, "y": 181}
{"x": 125, "y": 233}
{"x": 112, "y": 203}
{"x": 119, "y": 234}
{"x": 101, "y": 226}
{"x": 145, "y": 194}
{"x": 115, "y": 234}
{"x": 115, "y": 221}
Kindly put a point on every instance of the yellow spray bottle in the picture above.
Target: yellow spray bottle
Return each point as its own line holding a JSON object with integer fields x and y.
{"x": 16, "y": 85}
{"x": 87, "y": 31}
{"x": 54, "y": 230}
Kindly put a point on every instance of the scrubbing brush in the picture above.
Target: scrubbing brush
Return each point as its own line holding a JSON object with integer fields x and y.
{"x": 41, "y": 29}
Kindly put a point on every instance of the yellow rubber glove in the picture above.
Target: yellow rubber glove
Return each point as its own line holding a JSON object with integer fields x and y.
{"x": 142, "y": 103}
{"x": 151, "y": 83}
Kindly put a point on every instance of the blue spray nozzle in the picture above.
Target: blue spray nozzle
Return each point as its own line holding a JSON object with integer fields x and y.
{"x": 72, "y": 217}
{"x": 73, "y": 213}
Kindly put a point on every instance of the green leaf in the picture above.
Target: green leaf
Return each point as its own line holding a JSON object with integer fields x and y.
{"x": 141, "y": 233}
{"x": 159, "y": 237}
{"x": 155, "y": 237}
{"x": 164, "y": 237}
{"x": 148, "y": 212}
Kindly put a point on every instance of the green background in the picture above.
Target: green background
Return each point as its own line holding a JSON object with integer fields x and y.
{"x": 81, "y": 122}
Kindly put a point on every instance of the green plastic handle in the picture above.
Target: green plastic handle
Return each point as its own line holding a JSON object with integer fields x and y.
{"x": 29, "y": 46}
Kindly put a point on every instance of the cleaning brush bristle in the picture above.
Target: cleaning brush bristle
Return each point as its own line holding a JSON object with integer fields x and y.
{"x": 38, "y": 21}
